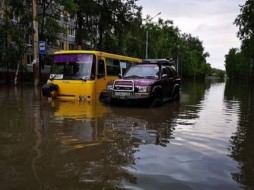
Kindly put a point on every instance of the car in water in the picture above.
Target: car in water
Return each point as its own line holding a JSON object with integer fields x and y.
{"x": 150, "y": 83}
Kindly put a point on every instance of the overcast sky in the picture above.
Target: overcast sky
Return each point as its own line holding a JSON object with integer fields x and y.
{"x": 209, "y": 20}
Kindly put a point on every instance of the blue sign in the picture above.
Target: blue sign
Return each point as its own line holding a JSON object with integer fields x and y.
{"x": 42, "y": 47}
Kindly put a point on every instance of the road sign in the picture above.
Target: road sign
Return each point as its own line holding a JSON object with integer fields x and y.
{"x": 42, "y": 47}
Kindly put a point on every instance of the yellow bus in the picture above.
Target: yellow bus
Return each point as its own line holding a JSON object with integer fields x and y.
{"x": 83, "y": 74}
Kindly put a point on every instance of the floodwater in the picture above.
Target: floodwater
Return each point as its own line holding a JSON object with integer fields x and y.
{"x": 203, "y": 142}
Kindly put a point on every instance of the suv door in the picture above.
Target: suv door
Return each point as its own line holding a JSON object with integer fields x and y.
{"x": 175, "y": 80}
{"x": 166, "y": 82}
{"x": 171, "y": 81}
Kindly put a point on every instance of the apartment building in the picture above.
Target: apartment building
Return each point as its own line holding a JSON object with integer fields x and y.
{"x": 65, "y": 40}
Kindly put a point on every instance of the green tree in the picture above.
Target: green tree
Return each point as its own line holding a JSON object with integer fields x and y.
{"x": 134, "y": 37}
{"x": 15, "y": 30}
{"x": 163, "y": 39}
{"x": 50, "y": 14}
{"x": 232, "y": 63}
{"x": 194, "y": 63}
{"x": 112, "y": 26}
{"x": 16, "y": 27}
{"x": 245, "y": 22}
{"x": 107, "y": 25}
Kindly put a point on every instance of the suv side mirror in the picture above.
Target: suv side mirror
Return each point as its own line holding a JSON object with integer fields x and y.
{"x": 120, "y": 76}
{"x": 164, "y": 76}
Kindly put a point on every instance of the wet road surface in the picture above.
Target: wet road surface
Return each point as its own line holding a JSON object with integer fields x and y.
{"x": 203, "y": 142}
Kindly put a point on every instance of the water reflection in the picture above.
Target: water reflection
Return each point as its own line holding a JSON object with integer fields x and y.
{"x": 80, "y": 124}
{"x": 95, "y": 123}
{"x": 96, "y": 143}
{"x": 91, "y": 153}
{"x": 145, "y": 125}
{"x": 203, "y": 142}
{"x": 37, "y": 127}
{"x": 243, "y": 139}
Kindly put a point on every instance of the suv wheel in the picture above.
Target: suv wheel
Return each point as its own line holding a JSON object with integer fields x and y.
{"x": 156, "y": 102}
{"x": 176, "y": 96}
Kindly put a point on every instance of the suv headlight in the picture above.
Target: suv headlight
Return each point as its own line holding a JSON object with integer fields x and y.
{"x": 109, "y": 87}
{"x": 144, "y": 89}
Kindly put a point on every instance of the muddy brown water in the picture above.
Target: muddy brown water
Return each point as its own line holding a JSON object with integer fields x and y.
{"x": 203, "y": 142}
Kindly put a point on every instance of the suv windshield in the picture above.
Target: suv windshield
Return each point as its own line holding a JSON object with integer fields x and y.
{"x": 73, "y": 66}
{"x": 143, "y": 72}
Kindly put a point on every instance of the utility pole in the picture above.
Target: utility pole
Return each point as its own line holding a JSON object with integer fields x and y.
{"x": 36, "y": 67}
{"x": 147, "y": 34}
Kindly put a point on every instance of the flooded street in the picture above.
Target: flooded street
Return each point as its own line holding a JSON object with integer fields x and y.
{"x": 203, "y": 142}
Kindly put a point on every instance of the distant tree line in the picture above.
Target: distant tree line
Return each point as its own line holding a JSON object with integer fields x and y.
{"x": 239, "y": 63}
{"x": 106, "y": 25}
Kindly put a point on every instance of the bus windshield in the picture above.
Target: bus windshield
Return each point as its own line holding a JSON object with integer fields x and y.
{"x": 73, "y": 66}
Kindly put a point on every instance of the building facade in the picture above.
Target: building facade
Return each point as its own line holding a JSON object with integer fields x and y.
{"x": 64, "y": 41}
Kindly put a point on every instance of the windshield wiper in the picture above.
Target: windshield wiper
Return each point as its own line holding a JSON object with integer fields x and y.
{"x": 51, "y": 78}
{"x": 151, "y": 77}
{"x": 134, "y": 76}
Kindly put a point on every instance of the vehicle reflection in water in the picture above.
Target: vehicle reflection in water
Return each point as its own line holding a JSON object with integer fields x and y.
{"x": 78, "y": 110}
{"x": 81, "y": 123}
{"x": 241, "y": 95}
{"x": 83, "y": 154}
{"x": 89, "y": 124}
{"x": 107, "y": 138}
{"x": 203, "y": 142}
{"x": 144, "y": 126}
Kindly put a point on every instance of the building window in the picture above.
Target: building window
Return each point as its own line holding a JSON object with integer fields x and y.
{"x": 71, "y": 46}
{"x": 28, "y": 39}
{"x": 71, "y": 31}
{"x": 62, "y": 45}
{"x": 29, "y": 59}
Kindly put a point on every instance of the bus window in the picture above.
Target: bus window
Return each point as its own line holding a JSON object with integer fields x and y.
{"x": 73, "y": 67}
{"x": 113, "y": 68}
{"x": 93, "y": 68}
{"x": 124, "y": 66}
{"x": 101, "y": 69}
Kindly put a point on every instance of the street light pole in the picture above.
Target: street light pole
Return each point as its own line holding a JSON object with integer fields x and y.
{"x": 147, "y": 44}
{"x": 147, "y": 35}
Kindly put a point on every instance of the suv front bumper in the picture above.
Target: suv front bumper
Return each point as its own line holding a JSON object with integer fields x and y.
{"x": 129, "y": 95}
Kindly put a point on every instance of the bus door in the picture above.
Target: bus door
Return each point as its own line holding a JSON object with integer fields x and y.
{"x": 100, "y": 82}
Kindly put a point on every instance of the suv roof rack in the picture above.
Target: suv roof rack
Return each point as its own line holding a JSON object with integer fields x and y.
{"x": 159, "y": 61}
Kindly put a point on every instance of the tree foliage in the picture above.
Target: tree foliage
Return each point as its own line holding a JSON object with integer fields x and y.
{"x": 49, "y": 17}
{"x": 194, "y": 58}
{"x": 244, "y": 67}
{"x": 111, "y": 26}
{"x": 107, "y": 25}
{"x": 15, "y": 29}
{"x": 232, "y": 63}
{"x": 245, "y": 20}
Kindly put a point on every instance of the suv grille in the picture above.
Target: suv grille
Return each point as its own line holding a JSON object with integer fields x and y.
{"x": 123, "y": 85}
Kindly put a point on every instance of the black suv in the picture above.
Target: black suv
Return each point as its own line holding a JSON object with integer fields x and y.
{"x": 152, "y": 82}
